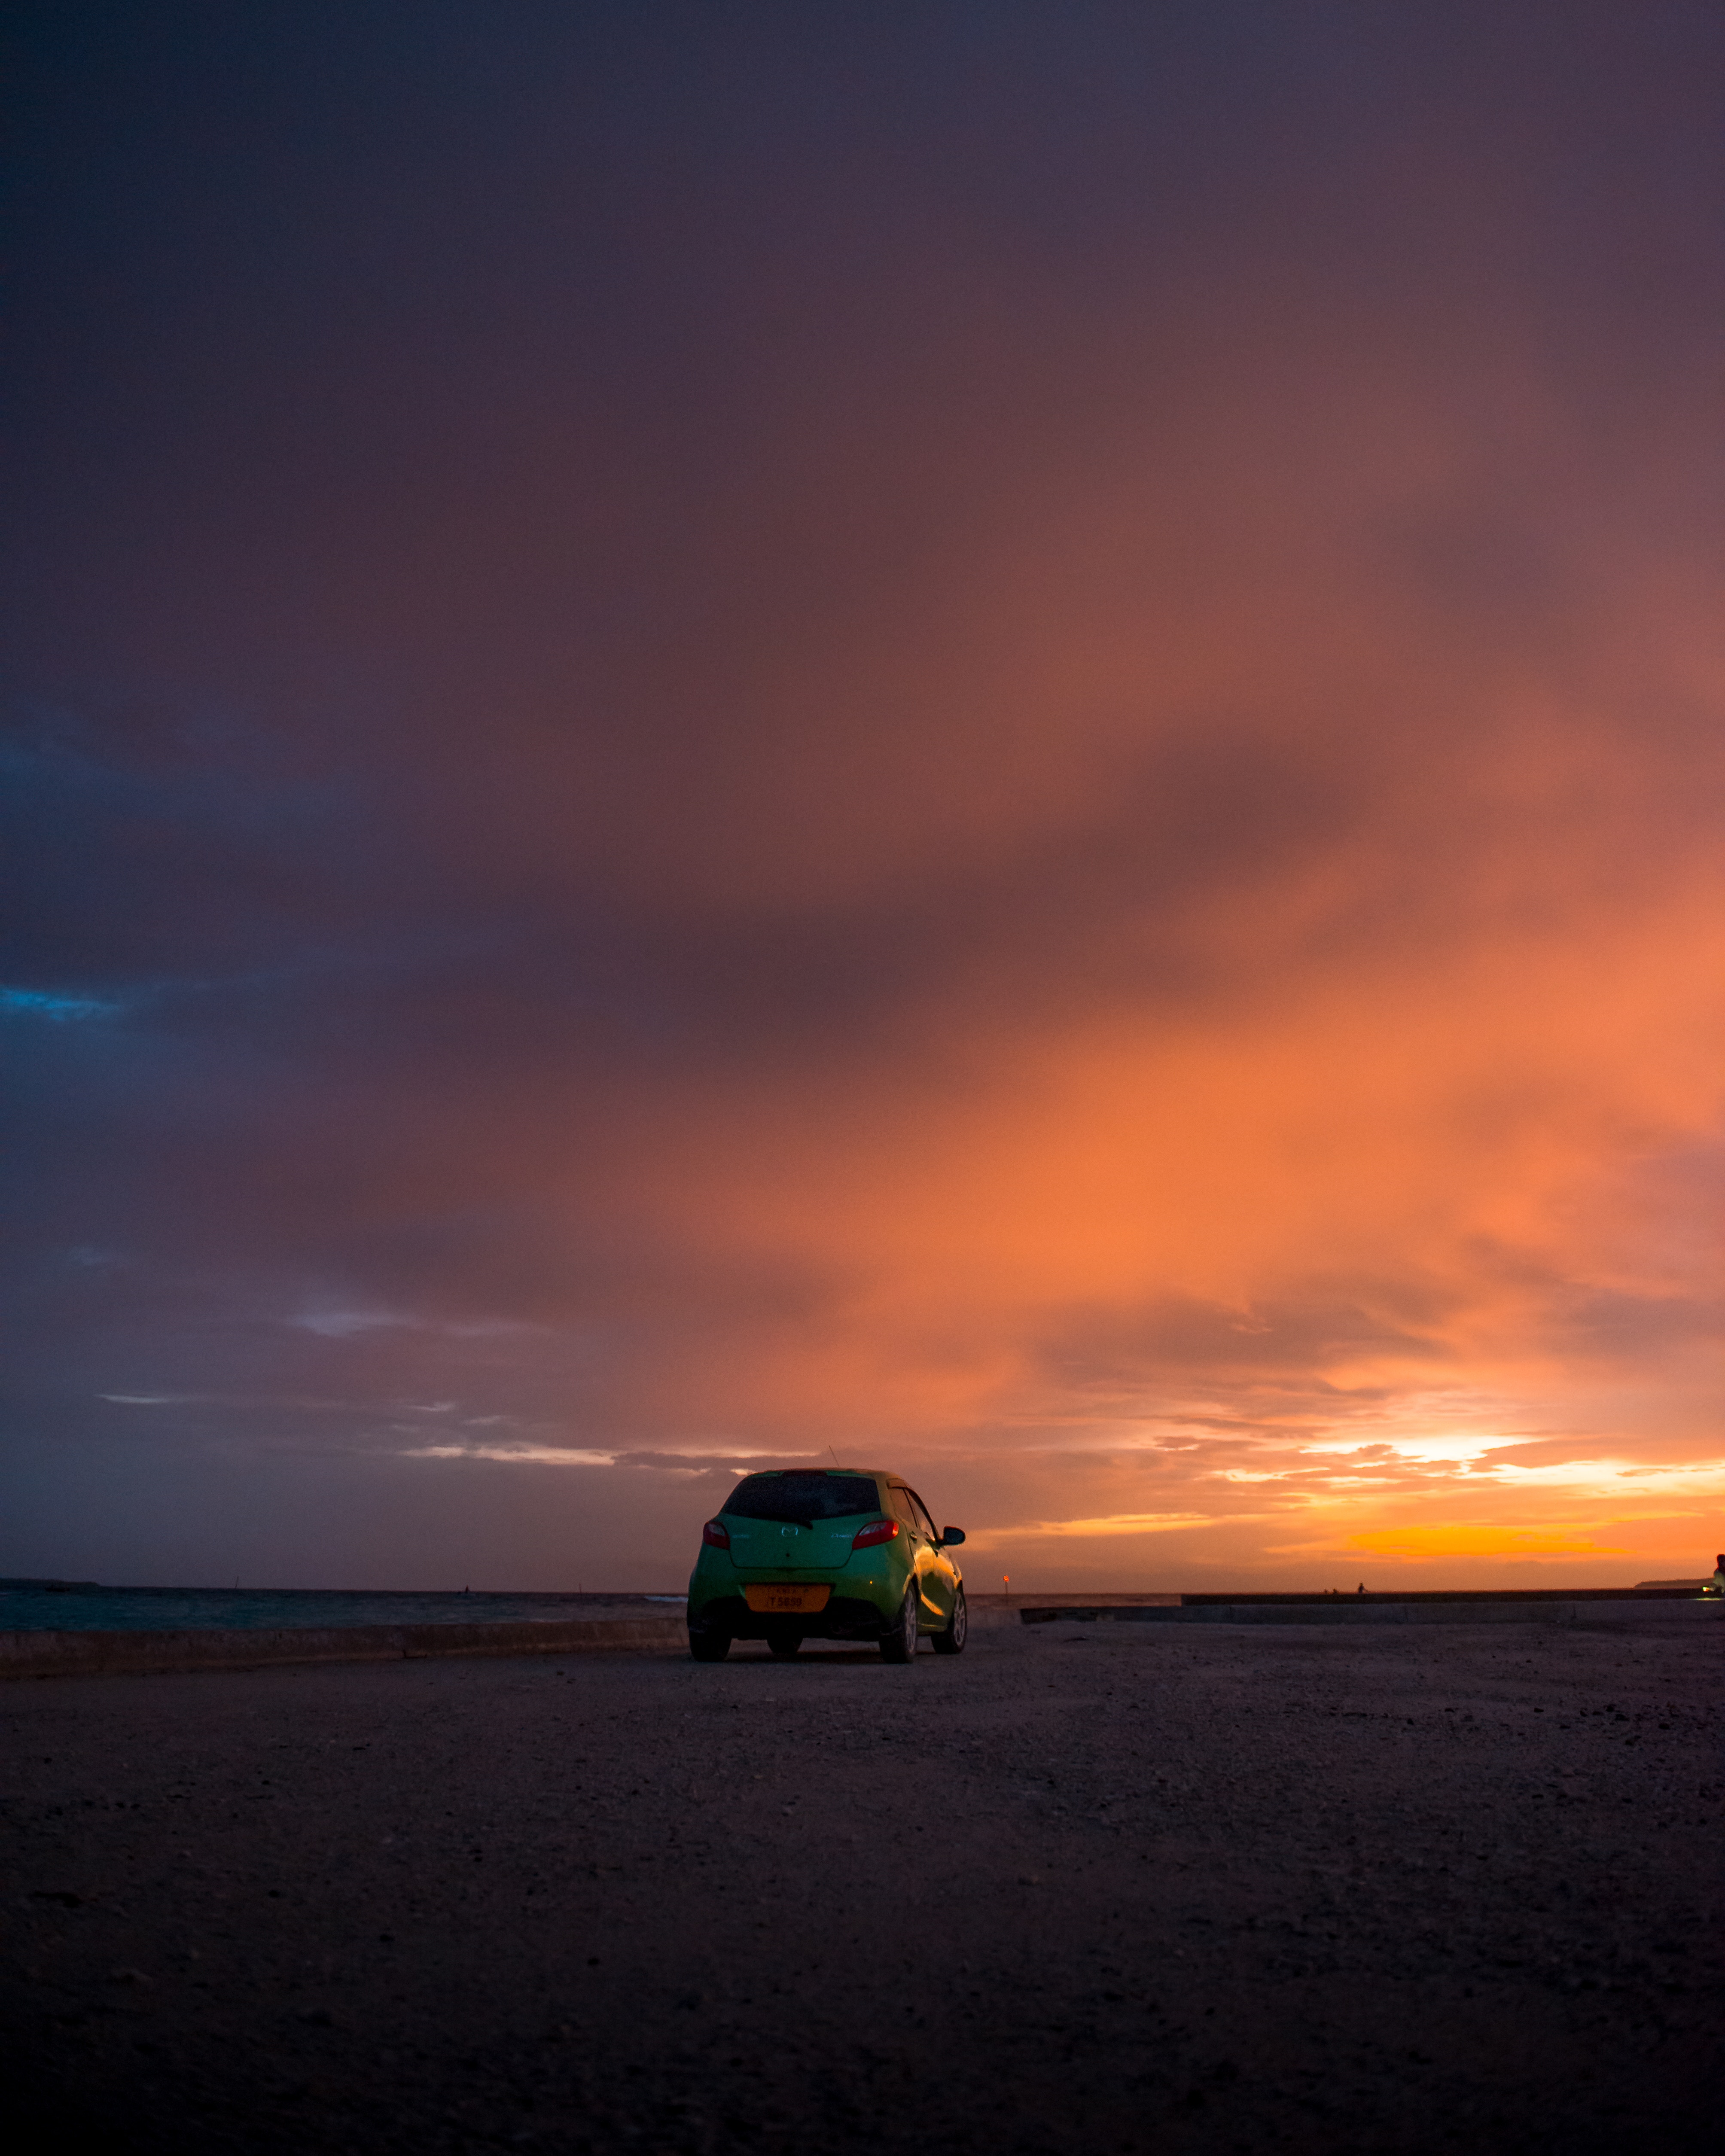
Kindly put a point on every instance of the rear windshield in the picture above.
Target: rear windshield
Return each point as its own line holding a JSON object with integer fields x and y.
{"x": 804, "y": 1498}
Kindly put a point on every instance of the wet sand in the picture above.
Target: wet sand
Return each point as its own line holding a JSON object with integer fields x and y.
{"x": 1086, "y": 1888}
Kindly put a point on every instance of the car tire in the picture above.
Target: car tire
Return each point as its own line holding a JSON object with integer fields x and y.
{"x": 900, "y": 1644}
{"x": 784, "y": 1642}
{"x": 709, "y": 1646}
{"x": 958, "y": 1631}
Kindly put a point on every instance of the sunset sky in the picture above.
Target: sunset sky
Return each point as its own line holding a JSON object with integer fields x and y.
{"x": 990, "y": 735}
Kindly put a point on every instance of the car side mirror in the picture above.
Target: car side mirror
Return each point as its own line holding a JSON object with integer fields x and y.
{"x": 949, "y": 1535}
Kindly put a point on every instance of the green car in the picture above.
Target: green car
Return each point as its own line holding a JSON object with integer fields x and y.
{"x": 844, "y": 1554}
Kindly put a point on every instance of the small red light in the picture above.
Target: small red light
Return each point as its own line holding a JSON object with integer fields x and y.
{"x": 716, "y": 1535}
{"x": 877, "y": 1531}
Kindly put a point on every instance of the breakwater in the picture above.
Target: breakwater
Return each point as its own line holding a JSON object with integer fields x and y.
{"x": 1607, "y": 1605}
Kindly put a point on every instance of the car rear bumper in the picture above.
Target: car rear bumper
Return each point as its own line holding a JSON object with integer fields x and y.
{"x": 845, "y": 1617}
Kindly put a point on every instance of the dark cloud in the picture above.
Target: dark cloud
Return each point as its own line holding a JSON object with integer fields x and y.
{"x": 933, "y": 726}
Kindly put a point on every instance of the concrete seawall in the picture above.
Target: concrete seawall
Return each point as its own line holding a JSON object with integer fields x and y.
{"x": 140, "y": 1653}
{"x": 116, "y": 1654}
{"x": 1342, "y": 1611}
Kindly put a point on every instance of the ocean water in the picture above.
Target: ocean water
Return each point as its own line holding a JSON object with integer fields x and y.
{"x": 74, "y": 1606}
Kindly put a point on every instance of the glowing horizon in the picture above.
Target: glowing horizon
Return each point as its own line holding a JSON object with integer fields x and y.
{"x": 1028, "y": 784}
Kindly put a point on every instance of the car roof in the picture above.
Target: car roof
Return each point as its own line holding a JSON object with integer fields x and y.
{"x": 879, "y": 1474}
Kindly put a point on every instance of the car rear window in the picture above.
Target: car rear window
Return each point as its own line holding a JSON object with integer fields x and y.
{"x": 803, "y": 1498}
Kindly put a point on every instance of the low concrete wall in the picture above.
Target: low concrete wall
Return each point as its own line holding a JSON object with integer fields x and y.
{"x": 113, "y": 1654}
{"x": 1342, "y": 1611}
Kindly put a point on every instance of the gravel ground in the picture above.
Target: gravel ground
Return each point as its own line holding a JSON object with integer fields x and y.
{"x": 1086, "y": 1889}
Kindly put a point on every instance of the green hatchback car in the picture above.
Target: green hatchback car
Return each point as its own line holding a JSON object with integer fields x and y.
{"x": 840, "y": 1554}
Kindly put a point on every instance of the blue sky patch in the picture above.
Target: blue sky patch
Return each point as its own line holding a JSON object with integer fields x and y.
{"x": 43, "y": 1003}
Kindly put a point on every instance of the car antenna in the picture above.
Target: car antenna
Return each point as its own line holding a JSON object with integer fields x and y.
{"x": 835, "y": 1459}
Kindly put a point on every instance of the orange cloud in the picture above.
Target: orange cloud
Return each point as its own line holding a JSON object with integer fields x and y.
{"x": 1091, "y": 869}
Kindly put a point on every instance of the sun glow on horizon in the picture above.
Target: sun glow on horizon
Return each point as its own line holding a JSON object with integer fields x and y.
{"x": 1094, "y": 870}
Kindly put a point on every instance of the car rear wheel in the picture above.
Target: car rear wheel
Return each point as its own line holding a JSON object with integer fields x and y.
{"x": 900, "y": 1643}
{"x": 952, "y": 1641}
{"x": 784, "y": 1642}
{"x": 709, "y": 1646}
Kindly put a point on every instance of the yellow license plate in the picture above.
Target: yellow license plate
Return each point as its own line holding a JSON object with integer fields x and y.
{"x": 787, "y": 1601}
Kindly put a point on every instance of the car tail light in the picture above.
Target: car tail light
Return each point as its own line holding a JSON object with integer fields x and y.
{"x": 877, "y": 1531}
{"x": 716, "y": 1535}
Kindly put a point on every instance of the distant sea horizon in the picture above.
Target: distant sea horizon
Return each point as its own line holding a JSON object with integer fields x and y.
{"x": 85, "y": 1605}
{"x": 88, "y": 1605}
